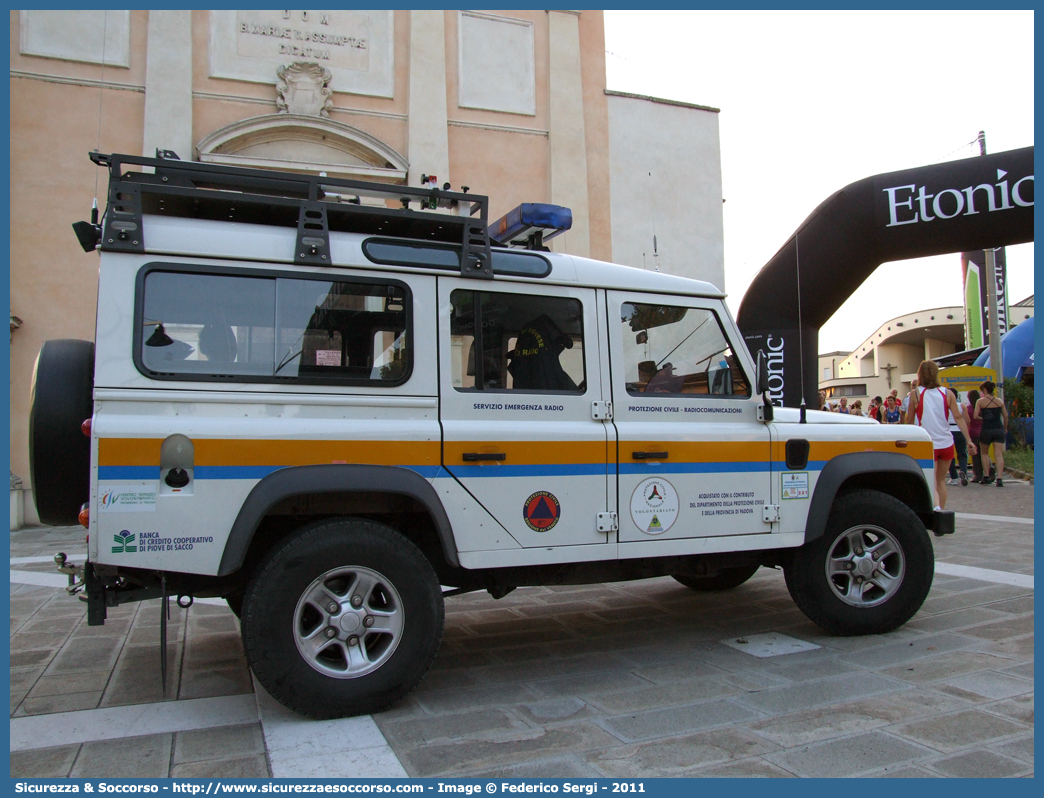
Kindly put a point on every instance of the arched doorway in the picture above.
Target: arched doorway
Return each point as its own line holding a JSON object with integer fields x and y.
{"x": 298, "y": 143}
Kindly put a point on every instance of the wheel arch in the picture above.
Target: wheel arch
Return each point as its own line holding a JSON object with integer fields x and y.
{"x": 892, "y": 473}
{"x": 333, "y": 479}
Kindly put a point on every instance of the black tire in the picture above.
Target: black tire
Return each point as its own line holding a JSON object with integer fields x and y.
{"x": 235, "y": 603}
{"x": 59, "y": 453}
{"x": 874, "y": 595}
{"x": 726, "y": 579}
{"x": 285, "y": 618}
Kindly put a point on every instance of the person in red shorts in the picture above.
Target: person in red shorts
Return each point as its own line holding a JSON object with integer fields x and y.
{"x": 932, "y": 407}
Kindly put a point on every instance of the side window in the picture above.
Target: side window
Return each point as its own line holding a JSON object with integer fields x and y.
{"x": 266, "y": 329}
{"x": 516, "y": 342}
{"x": 676, "y": 350}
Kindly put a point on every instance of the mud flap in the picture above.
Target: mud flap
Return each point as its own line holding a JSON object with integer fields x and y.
{"x": 95, "y": 590}
{"x": 944, "y": 522}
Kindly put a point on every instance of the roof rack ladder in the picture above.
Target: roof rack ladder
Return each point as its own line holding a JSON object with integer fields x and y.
{"x": 476, "y": 260}
{"x": 313, "y": 235}
{"x": 123, "y": 230}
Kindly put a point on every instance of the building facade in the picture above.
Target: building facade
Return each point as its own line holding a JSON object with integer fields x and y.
{"x": 888, "y": 359}
{"x": 512, "y": 104}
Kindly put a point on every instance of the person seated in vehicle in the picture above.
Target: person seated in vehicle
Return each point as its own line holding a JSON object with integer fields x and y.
{"x": 217, "y": 342}
{"x": 665, "y": 381}
{"x": 534, "y": 360}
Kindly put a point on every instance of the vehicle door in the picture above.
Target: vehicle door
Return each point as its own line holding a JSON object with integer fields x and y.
{"x": 694, "y": 461}
{"x": 519, "y": 370}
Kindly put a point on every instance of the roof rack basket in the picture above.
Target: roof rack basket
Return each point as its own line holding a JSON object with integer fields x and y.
{"x": 314, "y": 204}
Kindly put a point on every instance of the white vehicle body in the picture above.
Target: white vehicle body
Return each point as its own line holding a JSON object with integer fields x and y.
{"x": 243, "y": 432}
{"x": 561, "y": 420}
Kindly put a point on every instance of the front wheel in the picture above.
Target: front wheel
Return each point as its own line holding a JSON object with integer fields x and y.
{"x": 869, "y": 572}
{"x": 343, "y": 618}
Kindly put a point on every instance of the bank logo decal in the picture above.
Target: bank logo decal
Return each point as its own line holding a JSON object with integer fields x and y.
{"x": 124, "y": 543}
{"x": 541, "y": 511}
{"x": 654, "y": 506}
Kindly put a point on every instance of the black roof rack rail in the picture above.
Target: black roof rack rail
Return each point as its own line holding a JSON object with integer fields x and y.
{"x": 314, "y": 204}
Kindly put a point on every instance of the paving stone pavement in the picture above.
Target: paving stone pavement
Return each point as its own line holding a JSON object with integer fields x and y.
{"x": 617, "y": 680}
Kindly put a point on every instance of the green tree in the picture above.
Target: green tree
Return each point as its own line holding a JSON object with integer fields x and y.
{"x": 1019, "y": 400}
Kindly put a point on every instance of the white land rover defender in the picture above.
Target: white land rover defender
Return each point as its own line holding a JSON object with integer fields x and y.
{"x": 335, "y": 403}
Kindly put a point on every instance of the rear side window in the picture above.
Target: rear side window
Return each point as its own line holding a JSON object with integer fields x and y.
{"x": 532, "y": 344}
{"x": 397, "y": 253}
{"x": 267, "y": 328}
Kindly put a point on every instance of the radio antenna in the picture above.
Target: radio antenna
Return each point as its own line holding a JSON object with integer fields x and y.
{"x": 801, "y": 343}
{"x": 101, "y": 98}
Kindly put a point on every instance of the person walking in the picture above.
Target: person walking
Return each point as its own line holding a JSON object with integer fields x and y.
{"x": 994, "y": 430}
{"x": 974, "y": 427}
{"x": 844, "y": 405}
{"x": 959, "y": 465}
{"x": 857, "y": 409}
{"x": 931, "y": 408}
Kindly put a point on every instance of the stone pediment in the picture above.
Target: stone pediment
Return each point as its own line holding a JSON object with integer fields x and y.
{"x": 300, "y": 143}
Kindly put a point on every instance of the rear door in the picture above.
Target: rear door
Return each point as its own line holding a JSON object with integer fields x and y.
{"x": 694, "y": 461}
{"x": 519, "y": 371}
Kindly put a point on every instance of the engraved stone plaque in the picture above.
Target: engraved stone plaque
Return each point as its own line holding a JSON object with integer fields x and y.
{"x": 355, "y": 46}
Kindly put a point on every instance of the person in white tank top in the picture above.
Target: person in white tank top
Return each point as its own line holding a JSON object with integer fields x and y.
{"x": 932, "y": 407}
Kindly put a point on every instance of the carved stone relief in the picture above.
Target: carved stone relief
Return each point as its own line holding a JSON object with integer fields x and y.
{"x": 304, "y": 89}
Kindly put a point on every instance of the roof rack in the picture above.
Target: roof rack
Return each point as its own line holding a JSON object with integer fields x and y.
{"x": 315, "y": 205}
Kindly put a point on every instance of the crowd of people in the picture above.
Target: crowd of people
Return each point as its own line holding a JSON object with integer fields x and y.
{"x": 962, "y": 432}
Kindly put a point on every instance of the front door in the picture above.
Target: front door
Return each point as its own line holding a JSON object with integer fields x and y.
{"x": 519, "y": 370}
{"x": 693, "y": 458}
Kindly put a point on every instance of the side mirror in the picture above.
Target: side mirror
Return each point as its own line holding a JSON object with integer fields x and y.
{"x": 761, "y": 384}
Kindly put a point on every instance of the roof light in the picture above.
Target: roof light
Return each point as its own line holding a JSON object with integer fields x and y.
{"x": 529, "y": 221}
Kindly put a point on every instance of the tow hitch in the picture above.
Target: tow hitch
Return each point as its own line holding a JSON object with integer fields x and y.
{"x": 74, "y": 572}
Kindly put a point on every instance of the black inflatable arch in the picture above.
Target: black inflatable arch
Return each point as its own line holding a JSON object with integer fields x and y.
{"x": 976, "y": 203}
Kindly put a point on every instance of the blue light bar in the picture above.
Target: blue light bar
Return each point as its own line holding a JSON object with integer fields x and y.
{"x": 529, "y": 217}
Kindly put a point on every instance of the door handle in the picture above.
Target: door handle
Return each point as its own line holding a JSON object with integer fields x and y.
{"x": 477, "y": 457}
{"x": 649, "y": 455}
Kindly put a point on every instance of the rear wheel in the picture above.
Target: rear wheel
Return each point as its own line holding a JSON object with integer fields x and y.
{"x": 869, "y": 572}
{"x": 59, "y": 453}
{"x": 726, "y": 579}
{"x": 344, "y": 618}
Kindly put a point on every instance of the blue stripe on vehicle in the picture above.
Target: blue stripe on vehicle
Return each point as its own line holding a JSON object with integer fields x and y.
{"x": 112, "y": 473}
{"x": 819, "y": 465}
{"x": 120, "y": 473}
{"x": 536, "y": 470}
{"x": 695, "y": 468}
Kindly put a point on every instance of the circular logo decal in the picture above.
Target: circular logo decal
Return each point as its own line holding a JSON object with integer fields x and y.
{"x": 654, "y": 506}
{"x": 541, "y": 511}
